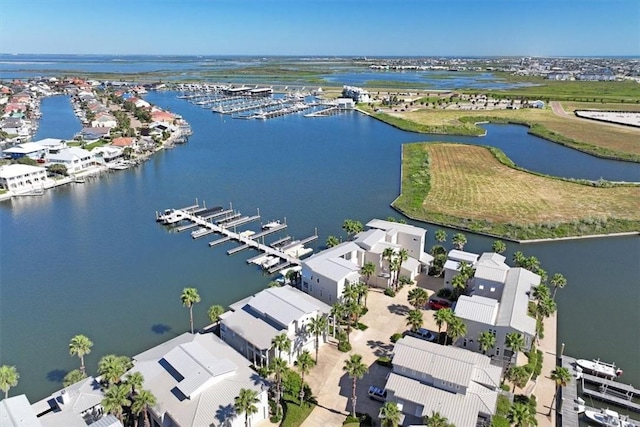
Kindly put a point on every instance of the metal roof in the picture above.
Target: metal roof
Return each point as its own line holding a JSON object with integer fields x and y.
{"x": 515, "y": 300}
{"x": 252, "y": 328}
{"x": 197, "y": 366}
{"x": 456, "y": 255}
{"x": 286, "y": 304}
{"x": 491, "y": 266}
{"x": 16, "y": 411}
{"x": 477, "y": 308}
{"x": 395, "y": 227}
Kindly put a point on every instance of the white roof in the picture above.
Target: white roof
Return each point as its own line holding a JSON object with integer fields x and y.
{"x": 49, "y": 142}
{"x": 68, "y": 154}
{"x": 457, "y": 255}
{"x": 17, "y": 412}
{"x": 370, "y": 238}
{"x": 491, "y": 266}
{"x": 330, "y": 263}
{"x": 204, "y": 408}
{"x": 81, "y": 396}
{"x": 391, "y": 226}
{"x": 515, "y": 301}
{"x": 478, "y": 309}
{"x": 25, "y": 148}
{"x": 286, "y": 304}
{"x": 10, "y": 171}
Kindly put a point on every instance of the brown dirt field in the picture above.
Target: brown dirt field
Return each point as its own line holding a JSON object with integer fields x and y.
{"x": 468, "y": 181}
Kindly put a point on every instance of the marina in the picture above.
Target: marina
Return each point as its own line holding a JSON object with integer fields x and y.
{"x": 280, "y": 254}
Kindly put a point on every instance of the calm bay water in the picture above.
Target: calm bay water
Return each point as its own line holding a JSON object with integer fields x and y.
{"x": 89, "y": 258}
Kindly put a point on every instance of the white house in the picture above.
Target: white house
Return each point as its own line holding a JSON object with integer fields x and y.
{"x": 104, "y": 121}
{"x": 16, "y": 411}
{"x": 107, "y": 154}
{"x": 22, "y": 178}
{"x": 195, "y": 379}
{"x": 325, "y": 274}
{"x": 74, "y": 158}
{"x": 253, "y": 323}
{"x": 508, "y": 314}
{"x": 52, "y": 145}
{"x": 427, "y": 377}
{"x": 452, "y": 265}
{"x": 75, "y": 406}
{"x": 26, "y": 149}
{"x": 490, "y": 275}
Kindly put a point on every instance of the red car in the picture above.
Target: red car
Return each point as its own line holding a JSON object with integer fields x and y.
{"x": 438, "y": 304}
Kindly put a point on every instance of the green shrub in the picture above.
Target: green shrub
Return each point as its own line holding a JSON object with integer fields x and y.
{"x": 395, "y": 337}
{"x": 505, "y": 387}
{"x": 503, "y": 406}
{"x": 384, "y": 361}
{"x": 291, "y": 382}
{"x": 344, "y": 346}
{"x": 390, "y": 292}
{"x": 362, "y": 326}
{"x": 445, "y": 293}
{"x": 294, "y": 413}
{"x": 500, "y": 421}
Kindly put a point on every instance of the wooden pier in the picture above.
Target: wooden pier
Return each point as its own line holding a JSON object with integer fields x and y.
{"x": 568, "y": 413}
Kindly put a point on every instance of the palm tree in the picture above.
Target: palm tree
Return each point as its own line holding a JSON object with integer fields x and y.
{"x": 190, "y": 297}
{"x": 282, "y": 343}
{"x": 466, "y": 270}
{"x": 115, "y": 399}
{"x": 350, "y": 293}
{"x": 332, "y": 241}
{"x": 514, "y": 341}
{"x": 368, "y": 269}
{"x": 540, "y": 292}
{"x": 558, "y": 281}
{"x": 214, "y": 313}
{"x": 459, "y": 240}
{"x": 390, "y": 414}
{"x": 141, "y": 403}
{"x": 278, "y": 367}
{"x": 499, "y": 246}
{"x": 459, "y": 283}
{"x": 414, "y": 320}
{"x": 73, "y": 377}
{"x": 486, "y": 340}
{"x": 403, "y": 256}
{"x": 316, "y": 326}
{"x": 519, "y": 259}
{"x": 441, "y": 236}
{"x": 363, "y": 291}
{"x": 545, "y": 308}
{"x": 135, "y": 380}
{"x": 387, "y": 254}
{"x": 80, "y": 345}
{"x": 436, "y": 420}
{"x": 356, "y": 370}
{"x": 9, "y": 377}
{"x": 246, "y": 402}
{"x": 520, "y": 415}
{"x": 442, "y": 317}
{"x": 418, "y": 297}
{"x": 456, "y": 329}
{"x": 304, "y": 363}
{"x": 518, "y": 375}
{"x": 112, "y": 367}
{"x": 561, "y": 376}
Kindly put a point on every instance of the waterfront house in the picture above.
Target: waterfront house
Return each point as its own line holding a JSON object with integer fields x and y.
{"x": 16, "y": 411}
{"x": 26, "y": 149}
{"x": 452, "y": 265}
{"x": 427, "y": 377}
{"x": 253, "y": 322}
{"x": 325, "y": 274}
{"x": 490, "y": 275}
{"x": 52, "y": 145}
{"x": 107, "y": 154}
{"x": 500, "y": 316}
{"x": 104, "y": 120}
{"x": 15, "y": 126}
{"x": 195, "y": 379}
{"x": 75, "y": 159}
{"x": 21, "y": 179}
{"x": 78, "y": 405}
{"x": 124, "y": 142}
{"x": 94, "y": 133}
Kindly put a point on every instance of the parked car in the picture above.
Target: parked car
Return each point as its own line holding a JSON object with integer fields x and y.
{"x": 438, "y": 304}
{"x": 376, "y": 393}
{"x": 424, "y": 334}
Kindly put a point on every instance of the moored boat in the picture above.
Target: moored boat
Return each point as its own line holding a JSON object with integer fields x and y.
{"x": 608, "y": 418}
{"x": 598, "y": 368}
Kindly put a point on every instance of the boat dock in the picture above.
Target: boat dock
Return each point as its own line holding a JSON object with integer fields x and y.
{"x": 273, "y": 257}
{"x": 569, "y": 412}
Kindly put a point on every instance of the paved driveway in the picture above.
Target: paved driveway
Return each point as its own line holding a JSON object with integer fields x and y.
{"x": 332, "y": 387}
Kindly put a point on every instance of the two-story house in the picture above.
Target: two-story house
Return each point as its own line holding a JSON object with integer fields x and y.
{"x": 254, "y": 322}
{"x": 427, "y": 377}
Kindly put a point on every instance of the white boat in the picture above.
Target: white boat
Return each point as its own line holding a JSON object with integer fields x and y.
{"x": 598, "y": 368}
{"x": 270, "y": 225}
{"x": 173, "y": 217}
{"x": 608, "y": 418}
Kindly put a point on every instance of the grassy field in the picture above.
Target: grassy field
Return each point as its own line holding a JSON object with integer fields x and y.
{"x": 468, "y": 187}
{"x": 591, "y": 137}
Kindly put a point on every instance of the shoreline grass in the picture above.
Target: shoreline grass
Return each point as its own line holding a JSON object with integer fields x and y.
{"x": 478, "y": 189}
{"x": 592, "y": 138}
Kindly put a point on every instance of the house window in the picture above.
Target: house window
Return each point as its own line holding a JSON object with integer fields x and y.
{"x": 464, "y": 343}
{"x": 497, "y": 351}
{"x": 481, "y": 287}
{"x": 493, "y": 289}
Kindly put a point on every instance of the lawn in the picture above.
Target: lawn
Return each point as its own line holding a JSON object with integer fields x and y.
{"x": 591, "y": 137}
{"x": 468, "y": 187}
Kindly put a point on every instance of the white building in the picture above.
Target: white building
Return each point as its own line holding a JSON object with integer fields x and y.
{"x": 107, "y": 154}
{"x": 16, "y": 411}
{"x": 427, "y": 377}
{"x": 452, "y": 265}
{"x": 26, "y": 149}
{"x": 21, "y": 179}
{"x": 325, "y": 274}
{"x": 356, "y": 93}
{"x": 195, "y": 379}
{"x": 74, "y": 158}
{"x": 52, "y": 145}
{"x": 254, "y": 322}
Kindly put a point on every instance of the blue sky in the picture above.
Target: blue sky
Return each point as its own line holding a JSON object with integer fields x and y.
{"x": 322, "y": 27}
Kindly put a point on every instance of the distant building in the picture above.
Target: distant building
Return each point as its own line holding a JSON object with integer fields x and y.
{"x": 356, "y": 93}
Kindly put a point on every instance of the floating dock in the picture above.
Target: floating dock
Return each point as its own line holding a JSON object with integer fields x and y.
{"x": 273, "y": 257}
